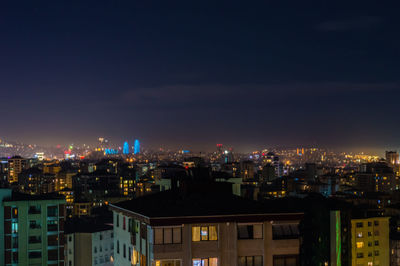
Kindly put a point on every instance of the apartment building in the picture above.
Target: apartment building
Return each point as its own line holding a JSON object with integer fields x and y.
{"x": 203, "y": 225}
{"x": 89, "y": 241}
{"x": 370, "y": 241}
{"x": 31, "y": 229}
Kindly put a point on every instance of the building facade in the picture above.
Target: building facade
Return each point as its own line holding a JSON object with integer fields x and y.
{"x": 33, "y": 229}
{"x": 189, "y": 237}
{"x": 370, "y": 241}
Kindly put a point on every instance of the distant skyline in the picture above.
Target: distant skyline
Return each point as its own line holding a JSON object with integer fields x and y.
{"x": 190, "y": 75}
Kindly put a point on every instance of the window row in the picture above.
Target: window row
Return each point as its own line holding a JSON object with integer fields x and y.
{"x": 168, "y": 235}
{"x": 361, "y": 224}
{"x": 173, "y": 235}
{"x": 361, "y": 255}
{"x": 205, "y": 262}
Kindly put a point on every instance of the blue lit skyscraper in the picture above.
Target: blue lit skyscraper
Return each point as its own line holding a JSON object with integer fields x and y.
{"x": 126, "y": 148}
{"x": 136, "y": 147}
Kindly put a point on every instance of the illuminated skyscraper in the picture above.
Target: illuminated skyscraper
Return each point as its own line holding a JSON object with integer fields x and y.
{"x": 136, "y": 147}
{"x": 126, "y": 148}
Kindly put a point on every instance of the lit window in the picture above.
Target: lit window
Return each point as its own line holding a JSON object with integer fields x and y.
{"x": 359, "y": 235}
{"x": 206, "y": 261}
{"x": 360, "y": 244}
{"x": 204, "y": 233}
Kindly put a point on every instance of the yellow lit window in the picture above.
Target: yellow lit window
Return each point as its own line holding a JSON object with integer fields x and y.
{"x": 204, "y": 233}
{"x": 195, "y": 233}
{"x": 213, "y": 233}
{"x": 360, "y": 244}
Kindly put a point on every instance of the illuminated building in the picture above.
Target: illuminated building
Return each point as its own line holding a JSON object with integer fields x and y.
{"x": 125, "y": 149}
{"x": 33, "y": 181}
{"x": 221, "y": 229}
{"x": 31, "y": 230}
{"x": 15, "y": 166}
{"x": 392, "y": 158}
{"x": 63, "y": 180}
{"x": 370, "y": 241}
{"x": 247, "y": 170}
{"x": 136, "y": 147}
{"x": 51, "y": 168}
{"x": 82, "y": 208}
{"x": 40, "y": 156}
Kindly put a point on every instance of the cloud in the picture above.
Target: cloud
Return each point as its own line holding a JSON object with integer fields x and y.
{"x": 352, "y": 24}
{"x": 189, "y": 96}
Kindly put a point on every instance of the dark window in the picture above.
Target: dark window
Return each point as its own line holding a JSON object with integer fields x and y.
{"x": 359, "y": 225}
{"x": 52, "y": 211}
{"x": 360, "y": 255}
{"x": 376, "y": 252}
{"x": 14, "y": 241}
{"x": 34, "y": 224}
{"x": 376, "y": 243}
{"x": 286, "y": 260}
{"x": 376, "y": 223}
{"x": 369, "y": 223}
{"x": 285, "y": 231}
{"x": 250, "y": 261}
{"x": 168, "y": 235}
{"x": 117, "y": 218}
{"x": 124, "y": 223}
{"x": 35, "y": 254}
{"x": 34, "y": 209}
{"x": 35, "y": 239}
{"x": 124, "y": 250}
{"x": 250, "y": 231}
{"x": 117, "y": 246}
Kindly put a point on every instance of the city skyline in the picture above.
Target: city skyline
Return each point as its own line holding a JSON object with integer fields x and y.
{"x": 249, "y": 75}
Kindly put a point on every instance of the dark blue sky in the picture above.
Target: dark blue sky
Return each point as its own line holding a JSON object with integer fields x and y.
{"x": 184, "y": 74}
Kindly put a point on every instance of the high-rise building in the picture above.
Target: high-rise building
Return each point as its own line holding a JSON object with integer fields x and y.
{"x": 15, "y": 166}
{"x": 31, "y": 229}
{"x": 247, "y": 170}
{"x": 125, "y": 149}
{"x": 392, "y": 158}
{"x": 136, "y": 147}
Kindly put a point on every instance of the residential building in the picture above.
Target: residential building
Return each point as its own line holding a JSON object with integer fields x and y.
{"x": 32, "y": 228}
{"x": 89, "y": 241}
{"x": 15, "y": 166}
{"x": 370, "y": 241}
{"x": 203, "y": 224}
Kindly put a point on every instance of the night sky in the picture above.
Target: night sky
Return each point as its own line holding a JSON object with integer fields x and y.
{"x": 247, "y": 74}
